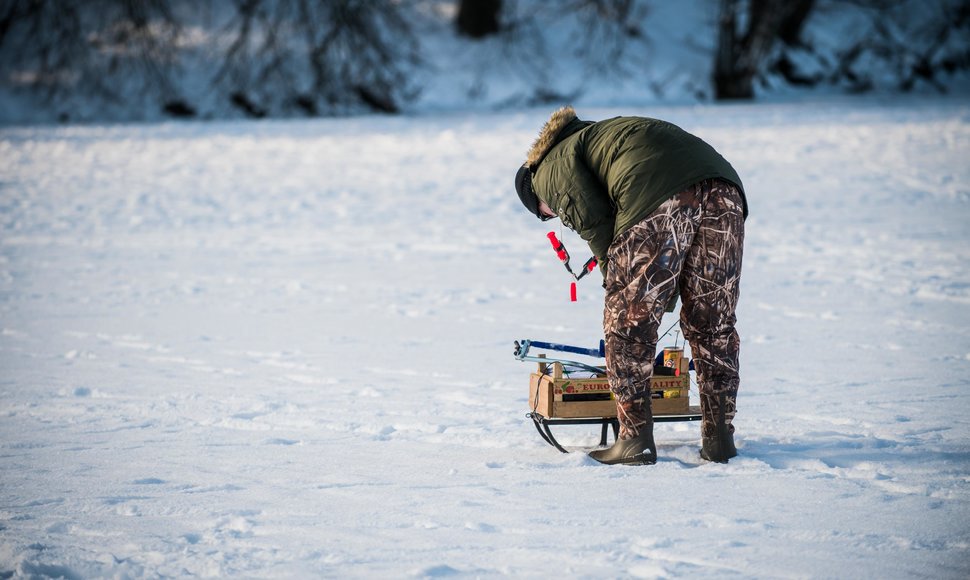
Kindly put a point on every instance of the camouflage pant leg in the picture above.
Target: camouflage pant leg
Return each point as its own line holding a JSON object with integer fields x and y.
{"x": 647, "y": 262}
{"x": 709, "y": 291}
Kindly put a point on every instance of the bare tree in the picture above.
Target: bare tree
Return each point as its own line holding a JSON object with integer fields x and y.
{"x": 478, "y": 18}
{"x": 270, "y": 57}
{"x": 612, "y": 26}
{"x": 58, "y": 49}
{"x": 740, "y": 55}
{"x": 609, "y": 25}
{"x": 912, "y": 51}
{"x": 306, "y": 54}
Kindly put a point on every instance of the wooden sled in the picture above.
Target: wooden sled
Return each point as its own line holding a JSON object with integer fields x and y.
{"x": 557, "y": 399}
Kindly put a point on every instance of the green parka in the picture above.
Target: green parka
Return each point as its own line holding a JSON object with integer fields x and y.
{"x": 602, "y": 178}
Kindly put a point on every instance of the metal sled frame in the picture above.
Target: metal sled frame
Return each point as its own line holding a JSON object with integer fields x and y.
{"x": 543, "y": 425}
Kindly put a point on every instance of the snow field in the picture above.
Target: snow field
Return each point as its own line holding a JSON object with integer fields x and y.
{"x": 284, "y": 349}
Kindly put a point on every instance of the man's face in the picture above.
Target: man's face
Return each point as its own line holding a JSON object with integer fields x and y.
{"x": 545, "y": 210}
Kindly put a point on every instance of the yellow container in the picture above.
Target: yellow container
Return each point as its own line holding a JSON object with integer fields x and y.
{"x": 672, "y": 357}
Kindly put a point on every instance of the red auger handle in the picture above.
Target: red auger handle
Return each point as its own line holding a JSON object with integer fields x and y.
{"x": 558, "y": 247}
{"x": 590, "y": 264}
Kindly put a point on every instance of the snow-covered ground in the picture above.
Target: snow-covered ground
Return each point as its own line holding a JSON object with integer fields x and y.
{"x": 284, "y": 349}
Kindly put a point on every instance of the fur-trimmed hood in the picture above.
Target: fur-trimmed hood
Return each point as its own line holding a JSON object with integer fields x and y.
{"x": 549, "y": 135}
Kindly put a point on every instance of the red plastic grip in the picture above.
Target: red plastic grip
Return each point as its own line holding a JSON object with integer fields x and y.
{"x": 591, "y": 265}
{"x": 553, "y": 240}
{"x": 572, "y": 292}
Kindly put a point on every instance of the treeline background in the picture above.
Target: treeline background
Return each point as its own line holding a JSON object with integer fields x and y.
{"x": 63, "y": 60}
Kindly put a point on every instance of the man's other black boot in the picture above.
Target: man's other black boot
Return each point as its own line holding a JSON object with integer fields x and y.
{"x": 720, "y": 447}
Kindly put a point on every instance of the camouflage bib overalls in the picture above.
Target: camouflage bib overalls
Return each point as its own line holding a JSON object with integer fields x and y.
{"x": 692, "y": 244}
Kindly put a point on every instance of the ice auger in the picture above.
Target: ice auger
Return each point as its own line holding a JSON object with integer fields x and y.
{"x": 521, "y": 352}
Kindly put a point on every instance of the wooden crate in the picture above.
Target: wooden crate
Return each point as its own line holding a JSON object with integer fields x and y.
{"x": 556, "y": 396}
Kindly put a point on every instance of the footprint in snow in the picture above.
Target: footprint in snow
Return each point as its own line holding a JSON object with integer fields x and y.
{"x": 280, "y": 441}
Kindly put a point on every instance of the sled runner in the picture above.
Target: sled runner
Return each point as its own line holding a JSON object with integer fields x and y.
{"x": 568, "y": 392}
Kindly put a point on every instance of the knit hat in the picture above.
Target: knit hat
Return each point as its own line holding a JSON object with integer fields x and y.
{"x": 523, "y": 186}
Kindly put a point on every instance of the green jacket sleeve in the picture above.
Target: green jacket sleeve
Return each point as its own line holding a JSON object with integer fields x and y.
{"x": 589, "y": 212}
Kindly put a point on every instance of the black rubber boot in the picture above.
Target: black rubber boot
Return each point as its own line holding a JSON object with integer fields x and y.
{"x": 635, "y": 445}
{"x": 720, "y": 447}
{"x": 640, "y": 450}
